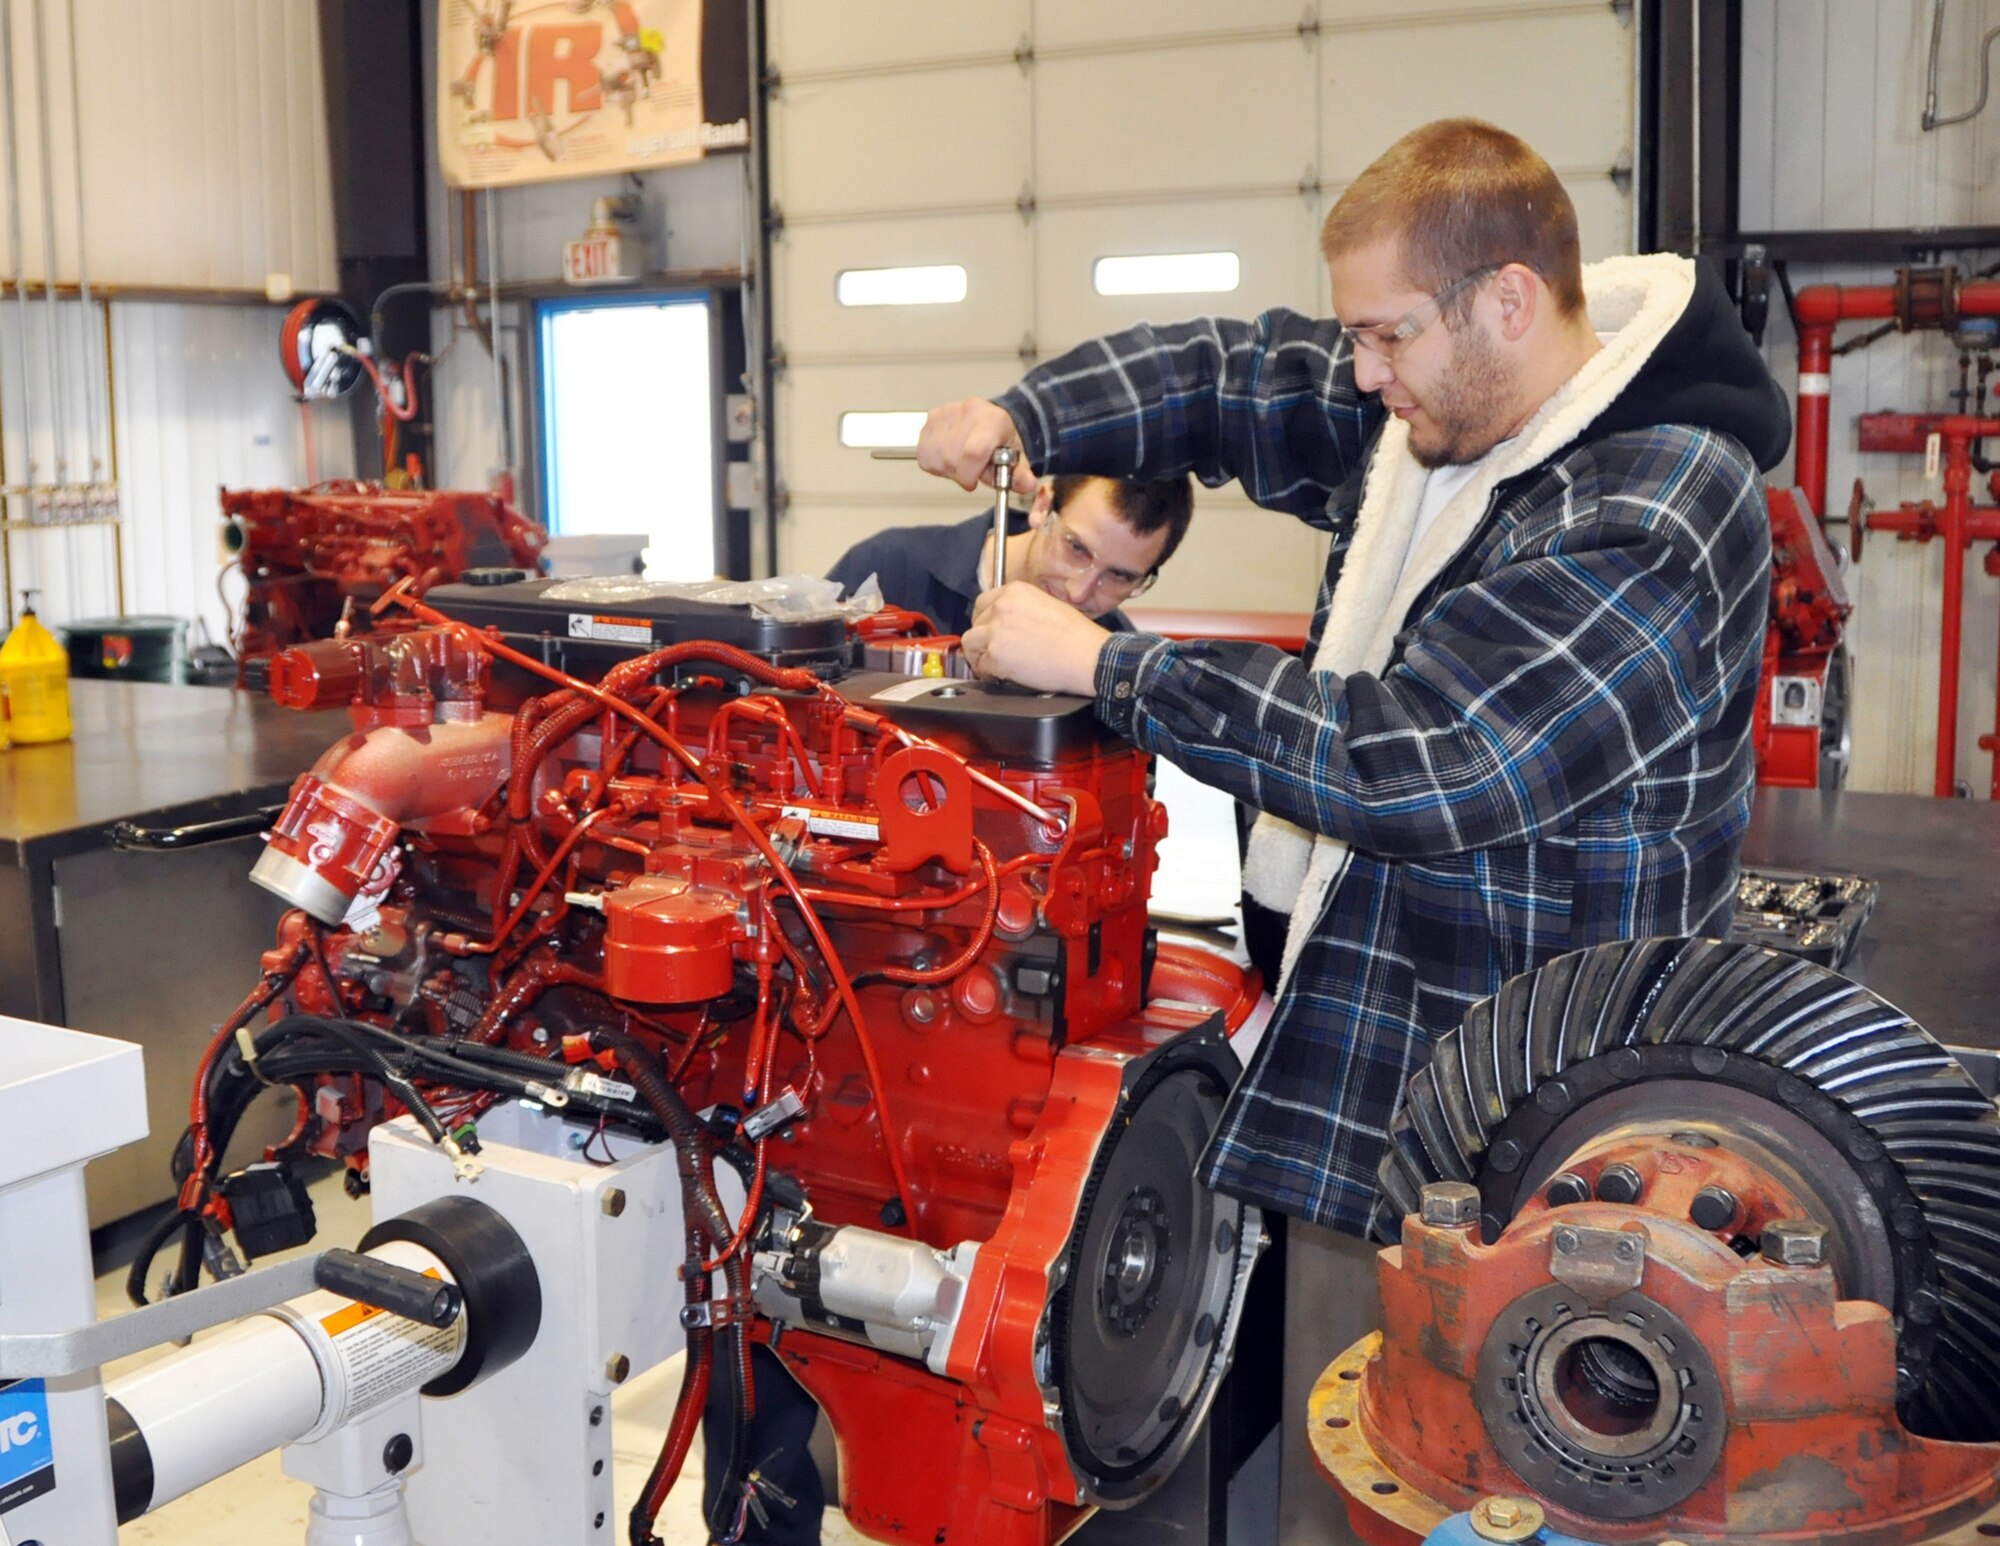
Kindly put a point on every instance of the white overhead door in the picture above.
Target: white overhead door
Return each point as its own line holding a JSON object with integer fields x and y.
{"x": 1025, "y": 140}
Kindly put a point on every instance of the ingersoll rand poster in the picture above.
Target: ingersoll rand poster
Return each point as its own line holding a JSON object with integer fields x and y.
{"x": 530, "y": 90}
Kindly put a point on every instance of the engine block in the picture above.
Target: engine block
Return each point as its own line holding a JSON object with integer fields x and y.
{"x": 312, "y": 556}
{"x": 881, "y": 942}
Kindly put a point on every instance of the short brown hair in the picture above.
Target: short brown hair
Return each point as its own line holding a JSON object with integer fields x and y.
{"x": 1460, "y": 195}
{"x": 1166, "y": 504}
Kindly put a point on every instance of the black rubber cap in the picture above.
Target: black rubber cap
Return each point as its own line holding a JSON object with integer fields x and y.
{"x": 503, "y": 1294}
{"x": 131, "y": 1463}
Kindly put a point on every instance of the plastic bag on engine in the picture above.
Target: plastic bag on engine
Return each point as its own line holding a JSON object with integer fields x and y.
{"x": 782, "y": 598}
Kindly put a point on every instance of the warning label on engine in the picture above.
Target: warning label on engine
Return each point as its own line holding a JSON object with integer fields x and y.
{"x": 27, "y": 1448}
{"x": 835, "y": 823}
{"x": 615, "y": 630}
{"x": 919, "y": 687}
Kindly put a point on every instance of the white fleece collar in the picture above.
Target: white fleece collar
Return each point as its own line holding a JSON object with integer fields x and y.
{"x": 1633, "y": 302}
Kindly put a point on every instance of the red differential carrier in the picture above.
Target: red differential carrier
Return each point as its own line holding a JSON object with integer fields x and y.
{"x": 1693, "y": 1246}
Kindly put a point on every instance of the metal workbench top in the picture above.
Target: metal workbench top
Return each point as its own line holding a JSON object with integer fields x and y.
{"x": 142, "y": 750}
{"x": 1932, "y": 946}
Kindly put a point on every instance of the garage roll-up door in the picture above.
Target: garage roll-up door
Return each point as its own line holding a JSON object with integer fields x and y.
{"x": 1024, "y": 140}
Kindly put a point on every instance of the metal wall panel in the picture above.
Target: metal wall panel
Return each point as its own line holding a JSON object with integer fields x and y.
{"x": 1274, "y": 238}
{"x": 1832, "y": 100}
{"x": 1562, "y": 80}
{"x": 995, "y": 250}
{"x": 1603, "y": 216}
{"x": 848, "y": 493}
{"x": 927, "y": 143}
{"x": 465, "y": 397}
{"x": 1242, "y": 557}
{"x": 204, "y": 142}
{"x": 818, "y": 395}
{"x": 49, "y": 438}
{"x": 690, "y": 217}
{"x": 1128, "y": 27}
{"x": 1223, "y": 117}
{"x": 808, "y": 41}
{"x": 199, "y": 403}
{"x": 1832, "y": 139}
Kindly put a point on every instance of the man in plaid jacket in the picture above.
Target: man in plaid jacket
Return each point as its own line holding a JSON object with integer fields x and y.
{"x": 1522, "y": 721}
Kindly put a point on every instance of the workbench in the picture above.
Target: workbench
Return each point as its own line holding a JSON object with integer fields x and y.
{"x": 156, "y": 947}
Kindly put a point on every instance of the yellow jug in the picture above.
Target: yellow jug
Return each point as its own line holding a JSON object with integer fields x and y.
{"x": 34, "y": 681}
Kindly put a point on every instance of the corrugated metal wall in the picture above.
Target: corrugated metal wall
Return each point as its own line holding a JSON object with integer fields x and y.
{"x": 203, "y": 166}
{"x": 203, "y": 405}
{"x": 1832, "y": 140}
{"x": 200, "y": 403}
{"x": 204, "y": 141}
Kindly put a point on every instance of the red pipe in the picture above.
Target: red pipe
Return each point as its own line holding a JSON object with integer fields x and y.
{"x": 1815, "y": 406}
{"x": 1959, "y": 524}
{"x": 1991, "y": 743}
{"x": 1957, "y": 496}
{"x": 1816, "y": 309}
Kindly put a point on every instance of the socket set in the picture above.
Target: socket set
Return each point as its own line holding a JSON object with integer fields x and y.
{"x": 1815, "y": 916}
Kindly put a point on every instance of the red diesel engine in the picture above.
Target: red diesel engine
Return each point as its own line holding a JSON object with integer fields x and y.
{"x": 886, "y": 935}
{"x": 311, "y": 556}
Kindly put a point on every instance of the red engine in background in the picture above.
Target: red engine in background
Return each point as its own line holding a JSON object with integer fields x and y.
{"x": 312, "y": 556}
{"x": 891, "y": 932}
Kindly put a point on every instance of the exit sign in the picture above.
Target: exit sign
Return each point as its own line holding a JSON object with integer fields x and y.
{"x": 595, "y": 260}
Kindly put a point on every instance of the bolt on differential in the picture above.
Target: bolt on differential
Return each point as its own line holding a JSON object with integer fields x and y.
{"x": 1620, "y": 1184}
{"x": 1450, "y": 1204}
{"x": 1794, "y": 1243}
{"x": 1567, "y": 1188}
{"x": 1714, "y": 1208}
{"x": 1507, "y": 1519}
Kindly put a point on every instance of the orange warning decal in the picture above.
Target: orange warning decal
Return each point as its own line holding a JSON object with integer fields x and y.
{"x": 348, "y": 1317}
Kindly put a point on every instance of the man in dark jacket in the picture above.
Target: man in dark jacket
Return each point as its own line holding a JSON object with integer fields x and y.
{"x": 1522, "y": 722}
{"x": 1092, "y": 542}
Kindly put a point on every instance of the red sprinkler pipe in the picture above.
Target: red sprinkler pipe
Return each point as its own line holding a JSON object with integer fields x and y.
{"x": 1817, "y": 309}
{"x": 1960, "y": 524}
{"x": 1990, "y": 742}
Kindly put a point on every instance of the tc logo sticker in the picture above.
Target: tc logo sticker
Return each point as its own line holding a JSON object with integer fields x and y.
{"x": 27, "y": 1450}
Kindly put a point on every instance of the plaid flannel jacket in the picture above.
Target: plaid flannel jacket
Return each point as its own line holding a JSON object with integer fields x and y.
{"x": 1558, "y": 753}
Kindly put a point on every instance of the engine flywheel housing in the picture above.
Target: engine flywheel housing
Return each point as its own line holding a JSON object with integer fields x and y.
{"x": 1152, "y": 1289}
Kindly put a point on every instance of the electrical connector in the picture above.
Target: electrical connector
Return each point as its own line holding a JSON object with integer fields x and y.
{"x": 463, "y": 1166}
{"x": 786, "y": 1107}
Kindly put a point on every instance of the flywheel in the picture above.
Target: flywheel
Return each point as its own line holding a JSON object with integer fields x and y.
{"x": 1152, "y": 1285}
{"x": 1866, "y": 1117}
